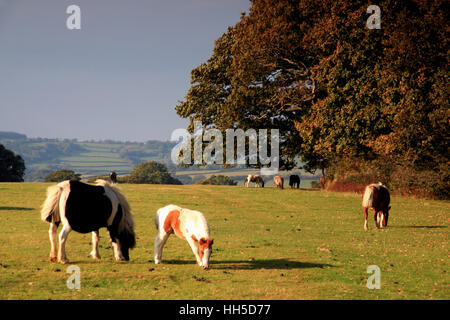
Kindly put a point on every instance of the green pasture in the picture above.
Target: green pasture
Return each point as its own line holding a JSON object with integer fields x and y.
{"x": 268, "y": 244}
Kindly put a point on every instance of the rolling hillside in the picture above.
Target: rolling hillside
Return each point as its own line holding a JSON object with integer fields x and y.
{"x": 90, "y": 158}
{"x": 98, "y": 158}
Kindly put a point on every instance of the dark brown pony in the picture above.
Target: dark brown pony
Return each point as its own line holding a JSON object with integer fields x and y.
{"x": 294, "y": 181}
{"x": 113, "y": 177}
{"x": 377, "y": 197}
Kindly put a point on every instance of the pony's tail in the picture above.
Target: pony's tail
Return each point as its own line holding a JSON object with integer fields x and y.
{"x": 367, "y": 201}
{"x": 50, "y": 207}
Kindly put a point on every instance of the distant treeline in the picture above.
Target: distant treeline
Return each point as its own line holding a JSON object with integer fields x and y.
{"x": 43, "y": 155}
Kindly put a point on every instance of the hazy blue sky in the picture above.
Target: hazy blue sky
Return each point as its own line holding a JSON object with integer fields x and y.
{"x": 119, "y": 77}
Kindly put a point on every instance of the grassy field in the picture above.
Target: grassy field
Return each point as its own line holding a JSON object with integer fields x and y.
{"x": 269, "y": 244}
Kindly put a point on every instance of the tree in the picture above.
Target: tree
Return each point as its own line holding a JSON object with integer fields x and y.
{"x": 151, "y": 172}
{"x": 62, "y": 175}
{"x": 12, "y": 167}
{"x": 218, "y": 180}
{"x": 338, "y": 92}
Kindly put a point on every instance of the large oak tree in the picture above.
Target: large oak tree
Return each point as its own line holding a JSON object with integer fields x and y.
{"x": 338, "y": 91}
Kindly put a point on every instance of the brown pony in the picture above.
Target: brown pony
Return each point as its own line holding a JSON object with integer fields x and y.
{"x": 376, "y": 196}
{"x": 279, "y": 182}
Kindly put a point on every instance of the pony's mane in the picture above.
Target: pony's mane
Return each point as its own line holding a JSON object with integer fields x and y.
{"x": 126, "y": 225}
{"x": 123, "y": 201}
{"x": 199, "y": 215}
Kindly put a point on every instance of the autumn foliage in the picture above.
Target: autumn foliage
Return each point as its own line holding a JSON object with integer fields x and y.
{"x": 362, "y": 105}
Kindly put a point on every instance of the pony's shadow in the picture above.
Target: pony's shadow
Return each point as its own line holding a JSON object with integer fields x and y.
{"x": 15, "y": 208}
{"x": 418, "y": 227}
{"x": 255, "y": 264}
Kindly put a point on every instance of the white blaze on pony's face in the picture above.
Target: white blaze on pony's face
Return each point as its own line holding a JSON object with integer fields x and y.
{"x": 204, "y": 251}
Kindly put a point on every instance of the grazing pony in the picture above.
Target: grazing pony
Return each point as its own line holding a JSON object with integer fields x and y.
{"x": 279, "y": 182}
{"x": 322, "y": 182}
{"x": 376, "y": 196}
{"x": 186, "y": 224}
{"x": 113, "y": 177}
{"x": 294, "y": 180}
{"x": 257, "y": 180}
{"x": 86, "y": 208}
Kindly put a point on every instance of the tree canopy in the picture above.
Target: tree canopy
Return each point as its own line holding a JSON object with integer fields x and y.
{"x": 151, "y": 172}
{"x": 12, "y": 166}
{"x": 338, "y": 91}
{"x": 62, "y": 175}
{"x": 218, "y": 180}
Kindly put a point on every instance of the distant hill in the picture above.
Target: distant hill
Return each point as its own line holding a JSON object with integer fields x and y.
{"x": 90, "y": 158}
{"x": 98, "y": 158}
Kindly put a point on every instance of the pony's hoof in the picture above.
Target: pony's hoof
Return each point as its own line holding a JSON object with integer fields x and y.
{"x": 53, "y": 259}
{"x": 95, "y": 256}
{"x": 64, "y": 261}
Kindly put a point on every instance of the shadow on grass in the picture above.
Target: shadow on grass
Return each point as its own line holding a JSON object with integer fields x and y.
{"x": 255, "y": 264}
{"x": 418, "y": 227}
{"x": 15, "y": 208}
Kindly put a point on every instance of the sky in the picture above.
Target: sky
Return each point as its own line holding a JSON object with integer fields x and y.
{"x": 119, "y": 77}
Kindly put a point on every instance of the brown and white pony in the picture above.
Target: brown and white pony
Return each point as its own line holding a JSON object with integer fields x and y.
{"x": 322, "y": 182}
{"x": 187, "y": 224}
{"x": 257, "y": 180}
{"x": 279, "y": 182}
{"x": 376, "y": 196}
{"x": 85, "y": 208}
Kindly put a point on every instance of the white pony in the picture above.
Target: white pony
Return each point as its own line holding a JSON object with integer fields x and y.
{"x": 186, "y": 224}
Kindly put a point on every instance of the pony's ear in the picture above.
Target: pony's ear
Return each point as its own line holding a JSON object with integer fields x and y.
{"x": 389, "y": 208}
{"x": 202, "y": 241}
{"x": 210, "y": 242}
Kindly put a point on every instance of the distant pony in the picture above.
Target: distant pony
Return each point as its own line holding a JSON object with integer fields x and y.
{"x": 279, "y": 182}
{"x": 187, "y": 224}
{"x": 113, "y": 177}
{"x": 376, "y": 196}
{"x": 294, "y": 181}
{"x": 86, "y": 208}
{"x": 257, "y": 180}
{"x": 322, "y": 182}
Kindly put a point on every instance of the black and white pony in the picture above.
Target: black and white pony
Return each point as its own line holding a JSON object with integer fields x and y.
{"x": 85, "y": 208}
